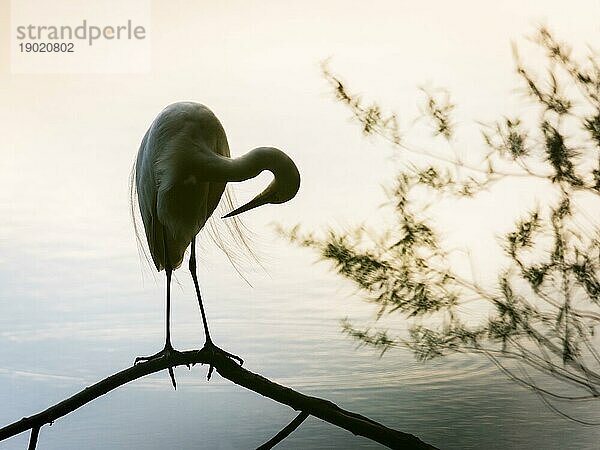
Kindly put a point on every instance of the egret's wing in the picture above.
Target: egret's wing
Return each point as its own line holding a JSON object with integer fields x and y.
{"x": 142, "y": 199}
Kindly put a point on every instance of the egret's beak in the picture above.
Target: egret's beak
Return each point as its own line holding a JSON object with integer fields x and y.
{"x": 257, "y": 201}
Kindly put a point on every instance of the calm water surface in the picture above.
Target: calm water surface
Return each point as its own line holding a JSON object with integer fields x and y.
{"x": 286, "y": 327}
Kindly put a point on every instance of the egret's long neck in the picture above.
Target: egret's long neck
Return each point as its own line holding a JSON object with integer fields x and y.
{"x": 220, "y": 168}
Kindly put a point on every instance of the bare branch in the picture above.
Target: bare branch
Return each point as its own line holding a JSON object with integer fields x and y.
{"x": 323, "y": 409}
{"x": 35, "y": 433}
{"x": 289, "y": 428}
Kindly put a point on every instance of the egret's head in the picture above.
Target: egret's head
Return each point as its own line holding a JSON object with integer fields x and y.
{"x": 286, "y": 180}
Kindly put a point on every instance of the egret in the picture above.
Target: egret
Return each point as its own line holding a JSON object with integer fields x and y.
{"x": 180, "y": 173}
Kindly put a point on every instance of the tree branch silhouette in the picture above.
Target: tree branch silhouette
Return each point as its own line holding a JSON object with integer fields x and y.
{"x": 318, "y": 407}
{"x": 287, "y": 430}
{"x": 543, "y": 303}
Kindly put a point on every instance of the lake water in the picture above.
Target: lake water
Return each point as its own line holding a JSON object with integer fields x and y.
{"x": 52, "y": 344}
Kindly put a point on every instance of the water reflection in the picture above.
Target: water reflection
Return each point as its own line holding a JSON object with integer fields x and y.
{"x": 286, "y": 330}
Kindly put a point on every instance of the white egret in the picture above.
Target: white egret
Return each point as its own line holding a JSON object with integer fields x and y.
{"x": 180, "y": 173}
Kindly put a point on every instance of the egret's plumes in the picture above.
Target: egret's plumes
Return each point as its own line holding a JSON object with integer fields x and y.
{"x": 231, "y": 236}
{"x": 180, "y": 174}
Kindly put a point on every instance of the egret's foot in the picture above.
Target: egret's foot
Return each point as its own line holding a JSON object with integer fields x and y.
{"x": 166, "y": 352}
{"x": 212, "y": 348}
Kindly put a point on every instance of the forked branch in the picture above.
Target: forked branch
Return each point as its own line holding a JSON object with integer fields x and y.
{"x": 323, "y": 409}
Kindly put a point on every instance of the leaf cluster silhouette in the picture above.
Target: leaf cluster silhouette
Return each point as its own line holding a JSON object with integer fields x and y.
{"x": 545, "y": 303}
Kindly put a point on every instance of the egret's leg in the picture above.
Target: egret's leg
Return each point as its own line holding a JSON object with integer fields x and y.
{"x": 209, "y": 343}
{"x": 168, "y": 331}
{"x": 168, "y": 350}
{"x": 197, "y": 286}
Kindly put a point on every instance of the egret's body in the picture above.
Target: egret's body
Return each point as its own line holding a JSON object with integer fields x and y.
{"x": 181, "y": 171}
{"x": 174, "y": 201}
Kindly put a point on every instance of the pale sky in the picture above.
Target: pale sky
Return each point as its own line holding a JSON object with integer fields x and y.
{"x": 68, "y": 141}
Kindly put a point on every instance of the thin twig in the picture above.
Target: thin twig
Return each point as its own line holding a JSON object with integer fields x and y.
{"x": 289, "y": 428}
{"x": 33, "y": 438}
